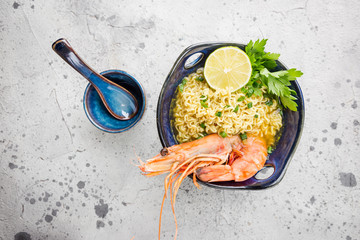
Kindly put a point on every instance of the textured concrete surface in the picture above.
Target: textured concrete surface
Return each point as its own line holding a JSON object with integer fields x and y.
{"x": 61, "y": 178}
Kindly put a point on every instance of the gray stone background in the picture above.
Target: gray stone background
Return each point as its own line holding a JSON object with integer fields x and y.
{"x": 61, "y": 178}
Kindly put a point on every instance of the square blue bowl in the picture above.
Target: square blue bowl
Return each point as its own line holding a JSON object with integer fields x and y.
{"x": 193, "y": 58}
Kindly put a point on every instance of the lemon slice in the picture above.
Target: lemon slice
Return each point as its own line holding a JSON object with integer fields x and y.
{"x": 227, "y": 68}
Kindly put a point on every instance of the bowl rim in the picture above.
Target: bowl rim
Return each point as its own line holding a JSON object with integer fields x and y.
{"x": 298, "y": 131}
{"x": 142, "y": 110}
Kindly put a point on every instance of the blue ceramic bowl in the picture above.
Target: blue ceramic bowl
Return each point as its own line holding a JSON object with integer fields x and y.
{"x": 193, "y": 58}
{"x": 97, "y": 112}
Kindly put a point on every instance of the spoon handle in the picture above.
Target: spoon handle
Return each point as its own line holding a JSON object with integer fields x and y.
{"x": 65, "y": 51}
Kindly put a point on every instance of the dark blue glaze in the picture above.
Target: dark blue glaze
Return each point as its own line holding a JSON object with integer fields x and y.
{"x": 293, "y": 121}
{"x": 98, "y": 114}
{"x": 118, "y": 101}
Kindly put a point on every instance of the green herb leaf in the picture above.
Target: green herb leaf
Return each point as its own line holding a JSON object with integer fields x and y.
{"x": 289, "y": 102}
{"x": 200, "y": 78}
{"x": 203, "y": 98}
{"x": 223, "y": 134}
{"x": 240, "y": 99}
{"x": 203, "y": 125}
{"x": 182, "y": 84}
{"x": 218, "y": 114}
{"x": 227, "y": 106}
{"x": 250, "y": 92}
{"x": 243, "y": 136}
{"x": 236, "y": 109}
{"x": 244, "y": 90}
{"x": 269, "y": 149}
{"x": 278, "y": 83}
{"x": 249, "y": 105}
{"x": 293, "y": 74}
{"x": 271, "y": 56}
{"x": 203, "y": 104}
{"x": 269, "y": 103}
{"x": 256, "y": 116}
{"x": 258, "y": 92}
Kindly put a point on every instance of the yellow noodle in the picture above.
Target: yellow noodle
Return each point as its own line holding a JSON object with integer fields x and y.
{"x": 189, "y": 114}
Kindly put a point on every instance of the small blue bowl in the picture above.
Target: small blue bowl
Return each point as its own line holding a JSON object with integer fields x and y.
{"x": 97, "y": 112}
{"x": 193, "y": 58}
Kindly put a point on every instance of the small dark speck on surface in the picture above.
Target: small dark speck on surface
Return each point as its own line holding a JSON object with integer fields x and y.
{"x": 142, "y": 45}
{"x": 324, "y": 131}
{"x": 102, "y": 209}
{"x": 22, "y": 236}
{"x": 48, "y": 218}
{"x": 354, "y": 105}
{"x": 324, "y": 139}
{"x": 56, "y": 137}
{"x": 357, "y": 84}
{"x": 110, "y": 223}
{"x": 312, "y": 200}
{"x": 15, "y": 5}
{"x": 58, "y": 204}
{"x": 81, "y": 184}
{"x": 100, "y": 224}
{"x": 333, "y": 125}
{"x": 12, "y": 166}
{"x": 347, "y": 179}
{"x": 88, "y": 165}
{"x": 46, "y": 198}
{"x": 54, "y": 212}
{"x": 124, "y": 203}
{"x": 348, "y": 238}
{"x": 337, "y": 141}
{"x": 32, "y": 201}
{"x": 312, "y": 148}
{"x": 356, "y": 123}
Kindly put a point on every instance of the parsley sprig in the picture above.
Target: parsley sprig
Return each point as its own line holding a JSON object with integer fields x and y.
{"x": 277, "y": 82}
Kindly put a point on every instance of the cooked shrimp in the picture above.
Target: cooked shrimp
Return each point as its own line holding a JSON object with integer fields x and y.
{"x": 245, "y": 164}
{"x": 205, "y": 158}
{"x": 208, "y": 148}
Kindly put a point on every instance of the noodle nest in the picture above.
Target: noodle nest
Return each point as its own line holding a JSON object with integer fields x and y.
{"x": 200, "y": 110}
